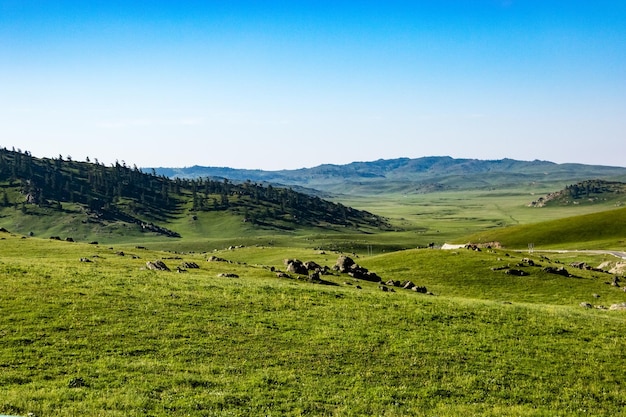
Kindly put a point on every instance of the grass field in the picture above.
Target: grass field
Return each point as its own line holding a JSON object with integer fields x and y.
{"x": 606, "y": 229}
{"x": 417, "y": 220}
{"x": 110, "y": 338}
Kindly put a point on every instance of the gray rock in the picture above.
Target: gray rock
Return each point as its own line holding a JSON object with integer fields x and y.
{"x": 157, "y": 266}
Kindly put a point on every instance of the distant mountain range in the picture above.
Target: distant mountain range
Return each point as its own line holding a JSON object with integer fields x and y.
{"x": 405, "y": 175}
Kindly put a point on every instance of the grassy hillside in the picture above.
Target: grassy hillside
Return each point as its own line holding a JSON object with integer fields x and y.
{"x": 109, "y": 337}
{"x": 90, "y": 201}
{"x": 585, "y": 192}
{"x": 606, "y": 229}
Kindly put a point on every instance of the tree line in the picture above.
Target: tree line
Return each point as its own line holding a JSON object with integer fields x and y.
{"x": 50, "y": 182}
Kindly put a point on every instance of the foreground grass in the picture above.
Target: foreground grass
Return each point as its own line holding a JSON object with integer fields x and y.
{"x": 108, "y": 338}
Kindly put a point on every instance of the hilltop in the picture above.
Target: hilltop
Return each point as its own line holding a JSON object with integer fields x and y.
{"x": 585, "y": 192}
{"x": 420, "y": 175}
{"x": 62, "y": 196}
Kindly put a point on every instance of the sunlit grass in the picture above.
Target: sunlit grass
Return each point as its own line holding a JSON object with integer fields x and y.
{"x": 108, "y": 337}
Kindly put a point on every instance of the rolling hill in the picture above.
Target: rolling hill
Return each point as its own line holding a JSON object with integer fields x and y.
{"x": 590, "y": 231}
{"x": 585, "y": 192}
{"x": 405, "y": 175}
{"x": 64, "y": 197}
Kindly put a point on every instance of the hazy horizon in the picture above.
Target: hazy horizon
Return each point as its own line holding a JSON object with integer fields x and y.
{"x": 283, "y": 85}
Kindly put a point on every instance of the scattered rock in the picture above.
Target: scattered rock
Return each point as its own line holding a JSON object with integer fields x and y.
{"x": 216, "y": 259}
{"x": 620, "y": 307}
{"x": 55, "y": 238}
{"x": 558, "y": 271}
{"x": 157, "y": 266}
{"x": 516, "y": 272}
{"x": 312, "y": 266}
{"x": 421, "y": 290}
{"x": 280, "y": 274}
{"x": 93, "y": 243}
{"x": 343, "y": 264}
{"x": 69, "y": 239}
{"x": 315, "y": 277}
{"x": 500, "y": 268}
{"x": 408, "y": 285}
{"x": 347, "y": 265}
{"x": 227, "y": 275}
{"x": 85, "y": 260}
{"x": 586, "y": 305}
{"x": 190, "y": 265}
{"x": 294, "y": 266}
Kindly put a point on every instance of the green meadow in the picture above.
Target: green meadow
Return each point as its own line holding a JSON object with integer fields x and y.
{"x": 87, "y": 328}
{"x": 111, "y": 338}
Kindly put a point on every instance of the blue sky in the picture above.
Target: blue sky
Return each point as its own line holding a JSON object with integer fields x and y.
{"x": 289, "y": 84}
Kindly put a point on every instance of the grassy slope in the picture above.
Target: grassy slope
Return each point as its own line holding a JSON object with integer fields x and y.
{"x": 449, "y": 216}
{"x": 606, "y": 229}
{"x": 148, "y": 343}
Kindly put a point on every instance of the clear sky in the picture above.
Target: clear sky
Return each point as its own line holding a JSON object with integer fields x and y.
{"x": 287, "y": 84}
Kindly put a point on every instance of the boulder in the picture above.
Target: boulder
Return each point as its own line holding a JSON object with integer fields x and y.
{"x": 408, "y": 285}
{"x": 216, "y": 259}
{"x": 295, "y": 266}
{"x": 312, "y": 266}
{"x": 421, "y": 290}
{"x": 620, "y": 306}
{"x": 157, "y": 266}
{"x": 558, "y": 271}
{"x": 315, "y": 277}
{"x": 344, "y": 263}
{"x": 586, "y": 305}
{"x": 227, "y": 275}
